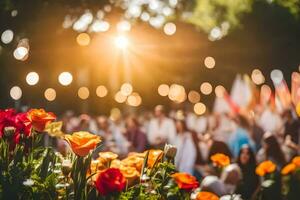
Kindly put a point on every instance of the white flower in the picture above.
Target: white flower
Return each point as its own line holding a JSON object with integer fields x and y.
{"x": 28, "y": 182}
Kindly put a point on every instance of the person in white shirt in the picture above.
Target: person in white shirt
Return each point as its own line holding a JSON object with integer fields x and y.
{"x": 201, "y": 124}
{"x": 161, "y": 129}
{"x": 186, "y": 151}
{"x": 270, "y": 121}
{"x": 191, "y": 120}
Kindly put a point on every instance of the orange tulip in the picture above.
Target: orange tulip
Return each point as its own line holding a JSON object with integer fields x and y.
{"x": 296, "y": 161}
{"x": 82, "y": 142}
{"x": 265, "y": 167}
{"x": 206, "y": 196}
{"x": 289, "y": 168}
{"x": 220, "y": 160}
{"x": 40, "y": 118}
{"x": 185, "y": 181}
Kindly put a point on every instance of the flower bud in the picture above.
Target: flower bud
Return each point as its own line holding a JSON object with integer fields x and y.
{"x": 170, "y": 151}
{"x": 66, "y": 167}
{"x": 9, "y": 131}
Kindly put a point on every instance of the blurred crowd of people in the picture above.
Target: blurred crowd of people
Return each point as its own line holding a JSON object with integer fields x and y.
{"x": 247, "y": 138}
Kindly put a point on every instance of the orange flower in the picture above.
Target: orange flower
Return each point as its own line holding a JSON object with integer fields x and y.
{"x": 185, "y": 181}
{"x": 134, "y": 161}
{"x": 289, "y": 168}
{"x": 206, "y": 196}
{"x": 296, "y": 161}
{"x": 220, "y": 160}
{"x": 40, "y": 118}
{"x": 154, "y": 155}
{"x": 130, "y": 173}
{"x": 265, "y": 167}
{"x": 108, "y": 156}
{"x": 82, "y": 142}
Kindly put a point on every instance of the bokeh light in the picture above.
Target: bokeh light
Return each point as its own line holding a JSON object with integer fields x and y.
{"x": 145, "y": 16}
{"x": 123, "y": 26}
{"x": 83, "y": 39}
{"x": 32, "y": 78}
{"x": 20, "y": 53}
{"x": 16, "y": 93}
{"x": 134, "y": 100}
{"x": 177, "y": 93}
{"x": 65, "y": 78}
{"x": 206, "y": 88}
{"x": 209, "y": 62}
{"x": 170, "y": 28}
{"x": 126, "y": 89}
{"x": 83, "y": 93}
{"x": 120, "y": 98}
{"x": 276, "y": 76}
{"x": 50, "y": 94}
{"x": 257, "y": 77}
{"x": 194, "y": 96}
{"x": 215, "y": 34}
{"x": 101, "y": 91}
{"x": 220, "y": 91}
{"x": 163, "y": 90}
{"x": 121, "y": 42}
{"x": 100, "y": 26}
{"x": 7, "y": 36}
{"x": 14, "y": 13}
{"x": 199, "y": 108}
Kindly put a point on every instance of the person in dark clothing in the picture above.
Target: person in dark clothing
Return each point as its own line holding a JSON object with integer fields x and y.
{"x": 249, "y": 183}
{"x": 273, "y": 150}
{"x": 134, "y": 135}
{"x": 219, "y": 147}
{"x": 291, "y": 127}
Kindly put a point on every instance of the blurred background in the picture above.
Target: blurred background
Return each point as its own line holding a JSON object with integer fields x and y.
{"x": 77, "y": 55}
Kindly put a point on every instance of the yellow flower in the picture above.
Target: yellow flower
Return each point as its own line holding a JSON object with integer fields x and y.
{"x": 220, "y": 160}
{"x": 133, "y": 161}
{"x": 130, "y": 173}
{"x": 116, "y": 164}
{"x": 289, "y": 168}
{"x": 265, "y": 167}
{"x": 108, "y": 156}
{"x": 82, "y": 142}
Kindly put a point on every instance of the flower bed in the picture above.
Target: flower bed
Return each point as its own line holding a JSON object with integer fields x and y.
{"x": 28, "y": 170}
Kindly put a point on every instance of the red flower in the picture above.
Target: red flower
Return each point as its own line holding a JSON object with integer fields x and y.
{"x": 40, "y": 118}
{"x": 20, "y": 121}
{"x": 23, "y": 123}
{"x": 6, "y": 119}
{"x": 109, "y": 181}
